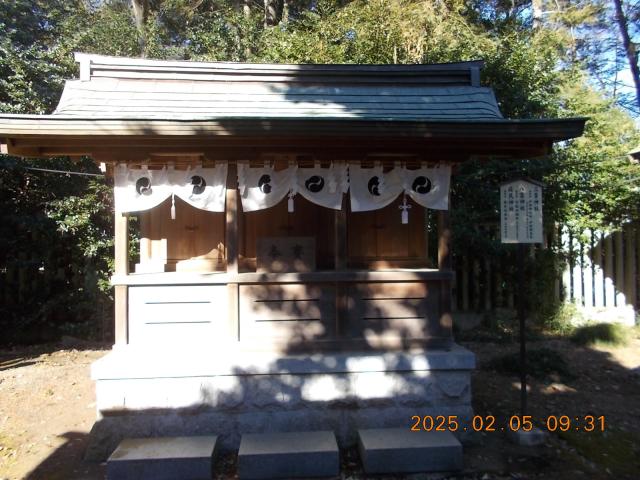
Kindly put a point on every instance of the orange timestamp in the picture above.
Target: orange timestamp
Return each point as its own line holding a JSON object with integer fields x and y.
{"x": 488, "y": 423}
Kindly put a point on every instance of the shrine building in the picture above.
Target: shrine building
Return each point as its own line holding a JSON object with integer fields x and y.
{"x": 294, "y": 263}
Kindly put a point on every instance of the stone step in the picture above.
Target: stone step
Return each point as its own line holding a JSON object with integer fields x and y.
{"x": 164, "y": 458}
{"x": 399, "y": 450}
{"x": 288, "y": 455}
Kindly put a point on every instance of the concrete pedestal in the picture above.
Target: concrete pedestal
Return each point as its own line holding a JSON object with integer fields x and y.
{"x": 210, "y": 392}
{"x": 168, "y": 458}
{"x": 288, "y": 455}
{"x": 399, "y": 450}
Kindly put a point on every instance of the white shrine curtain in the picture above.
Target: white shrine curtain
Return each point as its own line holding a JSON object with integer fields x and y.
{"x": 264, "y": 187}
{"x": 371, "y": 189}
{"x": 428, "y": 187}
{"x": 142, "y": 189}
{"x": 323, "y": 186}
{"x": 203, "y": 188}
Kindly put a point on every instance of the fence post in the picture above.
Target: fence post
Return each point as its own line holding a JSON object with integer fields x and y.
{"x": 578, "y": 293}
{"x": 630, "y": 264}
{"x": 618, "y": 278}
{"x": 609, "y": 293}
{"x": 598, "y": 269}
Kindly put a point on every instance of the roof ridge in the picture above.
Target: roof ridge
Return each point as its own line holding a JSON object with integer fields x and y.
{"x": 458, "y": 73}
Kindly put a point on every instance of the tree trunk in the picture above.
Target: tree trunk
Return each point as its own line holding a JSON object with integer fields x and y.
{"x": 629, "y": 47}
{"x": 536, "y": 7}
{"x": 140, "y": 15}
{"x": 270, "y": 13}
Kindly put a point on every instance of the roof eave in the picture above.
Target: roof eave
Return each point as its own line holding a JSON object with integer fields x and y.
{"x": 43, "y": 125}
{"x": 30, "y": 136}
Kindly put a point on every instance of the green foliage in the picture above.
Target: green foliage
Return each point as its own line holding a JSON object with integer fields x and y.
{"x": 55, "y": 248}
{"x": 562, "y": 320}
{"x": 542, "y": 363}
{"x": 602, "y": 333}
{"x": 397, "y": 31}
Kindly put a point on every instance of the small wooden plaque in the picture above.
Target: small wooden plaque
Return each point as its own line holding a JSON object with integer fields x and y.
{"x": 286, "y": 254}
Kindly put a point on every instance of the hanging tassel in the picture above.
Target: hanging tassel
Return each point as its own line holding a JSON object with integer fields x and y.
{"x": 404, "y": 210}
{"x": 290, "y": 202}
{"x": 173, "y": 207}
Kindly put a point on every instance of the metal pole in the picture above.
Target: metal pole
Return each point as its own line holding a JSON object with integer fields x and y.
{"x": 522, "y": 251}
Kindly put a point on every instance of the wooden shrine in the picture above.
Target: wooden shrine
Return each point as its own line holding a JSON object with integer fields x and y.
{"x": 238, "y": 305}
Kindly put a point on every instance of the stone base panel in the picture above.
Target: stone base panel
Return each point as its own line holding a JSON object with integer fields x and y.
{"x": 339, "y": 392}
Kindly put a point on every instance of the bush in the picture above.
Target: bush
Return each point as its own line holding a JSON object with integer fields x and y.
{"x": 602, "y": 333}
{"x": 563, "y": 320}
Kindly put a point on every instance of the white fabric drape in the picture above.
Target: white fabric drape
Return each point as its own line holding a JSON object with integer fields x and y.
{"x": 371, "y": 189}
{"x": 264, "y": 187}
{"x": 323, "y": 186}
{"x": 428, "y": 187}
{"x": 136, "y": 190}
{"x": 141, "y": 189}
{"x": 203, "y": 188}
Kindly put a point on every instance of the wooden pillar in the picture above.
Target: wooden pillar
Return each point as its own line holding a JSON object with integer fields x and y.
{"x": 444, "y": 264}
{"x": 340, "y": 263}
{"x": 121, "y": 304}
{"x": 232, "y": 221}
{"x": 340, "y": 237}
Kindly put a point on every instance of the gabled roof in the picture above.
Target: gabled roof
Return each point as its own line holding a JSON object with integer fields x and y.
{"x": 151, "y": 98}
{"x": 150, "y": 89}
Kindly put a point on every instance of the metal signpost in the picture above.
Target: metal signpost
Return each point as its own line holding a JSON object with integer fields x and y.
{"x": 521, "y": 223}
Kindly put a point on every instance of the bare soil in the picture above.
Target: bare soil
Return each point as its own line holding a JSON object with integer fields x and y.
{"x": 47, "y": 408}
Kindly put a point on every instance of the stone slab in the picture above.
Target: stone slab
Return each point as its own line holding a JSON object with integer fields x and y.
{"x": 399, "y": 450}
{"x": 532, "y": 438}
{"x": 165, "y": 458}
{"x": 288, "y": 455}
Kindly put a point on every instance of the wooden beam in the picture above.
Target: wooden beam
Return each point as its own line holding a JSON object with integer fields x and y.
{"x": 233, "y": 305}
{"x": 444, "y": 240}
{"x": 232, "y": 213}
{"x": 444, "y": 263}
{"x": 121, "y": 313}
{"x": 121, "y": 245}
{"x": 234, "y": 148}
{"x": 231, "y": 240}
{"x": 340, "y": 236}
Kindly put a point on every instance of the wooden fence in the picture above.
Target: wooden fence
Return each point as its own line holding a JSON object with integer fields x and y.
{"x": 594, "y": 270}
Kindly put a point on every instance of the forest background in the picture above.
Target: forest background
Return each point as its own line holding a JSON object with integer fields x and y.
{"x": 543, "y": 58}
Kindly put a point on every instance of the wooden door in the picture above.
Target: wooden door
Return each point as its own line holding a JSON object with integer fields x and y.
{"x": 378, "y": 239}
{"x": 307, "y": 220}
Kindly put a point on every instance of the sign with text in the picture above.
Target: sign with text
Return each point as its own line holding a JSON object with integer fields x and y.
{"x": 521, "y": 212}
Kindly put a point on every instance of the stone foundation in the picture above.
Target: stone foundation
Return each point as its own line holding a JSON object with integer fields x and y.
{"x": 203, "y": 393}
